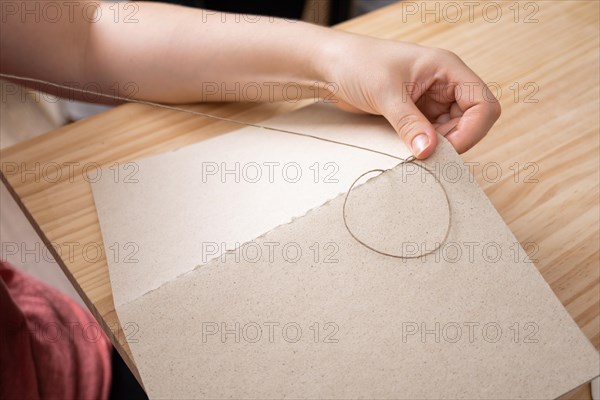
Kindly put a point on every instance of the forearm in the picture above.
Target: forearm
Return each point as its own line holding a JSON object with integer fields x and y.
{"x": 169, "y": 53}
{"x": 176, "y": 54}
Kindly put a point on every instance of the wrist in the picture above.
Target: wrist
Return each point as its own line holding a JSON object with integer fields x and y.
{"x": 328, "y": 52}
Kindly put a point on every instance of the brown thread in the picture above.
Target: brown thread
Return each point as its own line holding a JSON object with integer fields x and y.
{"x": 410, "y": 159}
{"x": 438, "y": 245}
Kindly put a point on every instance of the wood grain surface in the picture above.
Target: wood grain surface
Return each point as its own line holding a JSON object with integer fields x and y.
{"x": 539, "y": 165}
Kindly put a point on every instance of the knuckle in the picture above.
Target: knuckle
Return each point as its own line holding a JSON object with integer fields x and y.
{"x": 406, "y": 124}
{"x": 448, "y": 54}
{"x": 495, "y": 110}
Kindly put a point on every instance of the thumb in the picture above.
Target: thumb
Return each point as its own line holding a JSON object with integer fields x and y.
{"x": 415, "y": 130}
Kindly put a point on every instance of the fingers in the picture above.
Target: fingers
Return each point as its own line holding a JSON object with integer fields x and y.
{"x": 446, "y": 126}
{"x": 473, "y": 126}
{"x": 460, "y": 96}
{"x": 431, "y": 107}
{"x": 476, "y": 109}
{"x": 415, "y": 130}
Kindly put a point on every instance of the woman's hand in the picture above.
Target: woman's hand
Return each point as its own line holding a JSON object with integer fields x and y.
{"x": 419, "y": 90}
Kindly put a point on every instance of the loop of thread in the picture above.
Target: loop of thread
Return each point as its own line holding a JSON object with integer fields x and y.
{"x": 410, "y": 159}
{"x": 370, "y": 247}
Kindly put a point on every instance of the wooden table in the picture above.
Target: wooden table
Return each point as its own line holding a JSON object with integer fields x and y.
{"x": 544, "y": 59}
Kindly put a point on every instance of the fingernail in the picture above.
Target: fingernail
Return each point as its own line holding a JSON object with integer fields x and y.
{"x": 420, "y": 143}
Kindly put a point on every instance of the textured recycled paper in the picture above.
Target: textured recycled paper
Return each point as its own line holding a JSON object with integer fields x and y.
{"x": 304, "y": 311}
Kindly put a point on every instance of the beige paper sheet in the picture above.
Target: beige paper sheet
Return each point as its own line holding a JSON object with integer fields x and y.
{"x": 303, "y": 311}
{"x": 183, "y": 206}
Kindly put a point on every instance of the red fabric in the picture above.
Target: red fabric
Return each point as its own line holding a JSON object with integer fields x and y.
{"x": 50, "y": 348}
